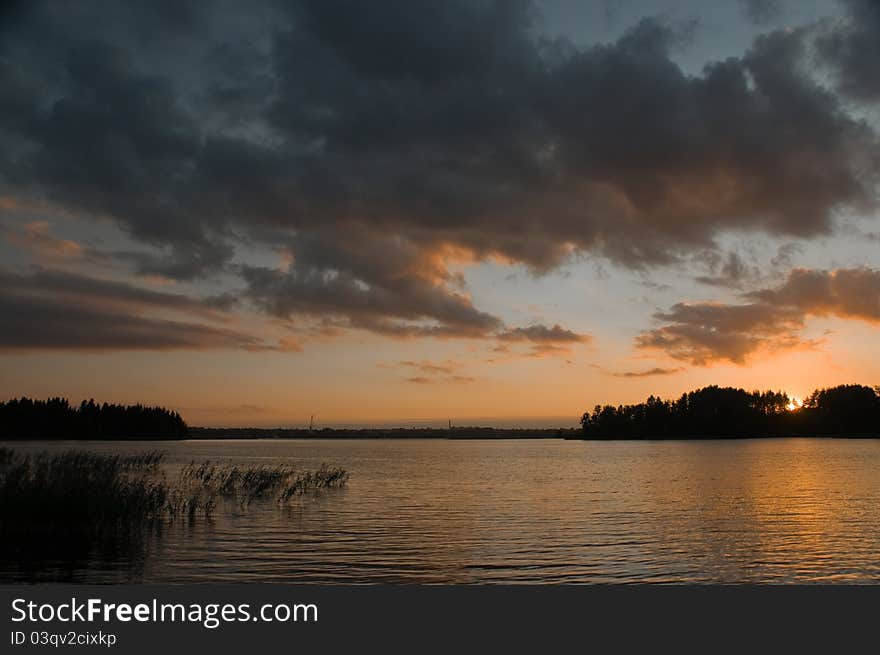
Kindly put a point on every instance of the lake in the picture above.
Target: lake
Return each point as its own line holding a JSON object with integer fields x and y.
{"x": 520, "y": 511}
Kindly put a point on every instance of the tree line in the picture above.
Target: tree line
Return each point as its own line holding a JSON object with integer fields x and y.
{"x": 845, "y": 410}
{"x": 56, "y": 418}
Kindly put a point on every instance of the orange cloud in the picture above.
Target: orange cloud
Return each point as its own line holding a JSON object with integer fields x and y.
{"x": 651, "y": 372}
{"x": 431, "y": 367}
{"x": 453, "y": 379}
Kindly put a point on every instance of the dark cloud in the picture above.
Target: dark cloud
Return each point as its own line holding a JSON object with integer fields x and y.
{"x": 443, "y": 40}
{"x": 785, "y": 254}
{"x": 542, "y": 340}
{"x": 33, "y": 325}
{"x": 732, "y": 271}
{"x": 852, "y": 48}
{"x": 704, "y": 333}
{"x": 378, "y": 143}
{"x": 49, "y": 284}
{"x": 847, "y": 293}
{"x": 375, "y": 283}
{"x": 49, "y": 310}
{"x": 542, "y": 334}
{"x": 405, "y": 294}
{"x": 36, "y": 238}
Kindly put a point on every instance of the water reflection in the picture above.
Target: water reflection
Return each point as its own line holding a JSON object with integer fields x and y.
{"x": 794, "y": 510}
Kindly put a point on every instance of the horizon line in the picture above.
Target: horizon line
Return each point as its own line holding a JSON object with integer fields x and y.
{"x": 502, "y": 422}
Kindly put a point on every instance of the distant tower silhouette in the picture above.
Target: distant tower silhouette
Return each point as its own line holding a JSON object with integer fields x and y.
{"x": 312, "y": 423}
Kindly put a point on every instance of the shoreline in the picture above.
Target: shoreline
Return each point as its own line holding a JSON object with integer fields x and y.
{"x": 403, "y": 434}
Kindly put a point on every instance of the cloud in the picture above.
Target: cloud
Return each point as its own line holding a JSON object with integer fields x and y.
{"x": 852, "y": 50}
{"x": 542, "y": 334}
{"x": 543, "y": 341}
{"x": 48, "y": 284}
{"x": 48, "y": 310}
{"x": 705, "y": 333}
{"x": 375, "y": 283}
{"x": 431, "y": 368}
{"x": 846, "y": 293}
{"x": 448, "y": 379}
{"x": 541, "y": 350}
{"x": 785, "y": 254}
{"x": 35, "y": 237}
{"x": 379, "y": 145}
{"x": 730, "y": 272}
{"x": 651, "y": 372}
{"x": 435, "y": 373}
{"x": 432, "y": 372}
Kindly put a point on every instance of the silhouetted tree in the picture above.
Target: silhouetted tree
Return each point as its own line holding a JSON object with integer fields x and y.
{"x": 55, "y": 419}
{"x": 847, "y": 410}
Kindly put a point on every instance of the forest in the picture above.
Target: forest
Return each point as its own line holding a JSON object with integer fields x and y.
{"x": 850, "y": 410}
{"x": 56, "y": 418}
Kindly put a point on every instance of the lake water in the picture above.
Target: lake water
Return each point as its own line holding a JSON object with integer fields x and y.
{"x": 524, "y": 511}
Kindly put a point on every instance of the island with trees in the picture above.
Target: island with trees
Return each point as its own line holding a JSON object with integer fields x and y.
{"x": 56, "y": 418}
{"x": 851, "y": 410}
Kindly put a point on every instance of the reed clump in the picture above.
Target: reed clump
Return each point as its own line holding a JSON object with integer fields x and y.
{"x": 89, "y": 492}
{"x": 78, "y": 489}
{"x": 247, "y": 483}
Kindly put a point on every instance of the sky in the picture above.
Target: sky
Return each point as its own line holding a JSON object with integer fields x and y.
{"x": 403, "y": 212}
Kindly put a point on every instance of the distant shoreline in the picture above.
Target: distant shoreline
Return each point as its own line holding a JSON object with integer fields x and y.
{"x": 850, "y": 411}
{"x": 205, "y": 434}
{"x": 470, "y": 433}
{"x": 456, "y": 434}
{"x": 383, "y": 433}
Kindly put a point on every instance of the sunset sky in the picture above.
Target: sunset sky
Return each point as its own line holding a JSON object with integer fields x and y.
{"x": 394, "y": 212}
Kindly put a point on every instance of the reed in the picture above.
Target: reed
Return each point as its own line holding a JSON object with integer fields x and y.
{"x": 247, "y": 483}
{"x": 79, "y": 490}
{"x": 87, "y": 492}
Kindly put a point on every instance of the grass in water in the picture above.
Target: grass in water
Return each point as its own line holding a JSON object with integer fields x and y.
{"x": 88, "y": 492}
{"x": 79, "y": 489}
{"x": 245, "y": 484}
{"x": 59, "y": 513}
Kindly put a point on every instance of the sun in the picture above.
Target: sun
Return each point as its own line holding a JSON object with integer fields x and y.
{"x": 793, "y": 404}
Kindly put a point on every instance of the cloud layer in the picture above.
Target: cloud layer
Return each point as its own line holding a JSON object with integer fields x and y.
{"x": 705, "y": 333}
{"x": 51, "y": 310}
{"x": 375, "y": 146}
